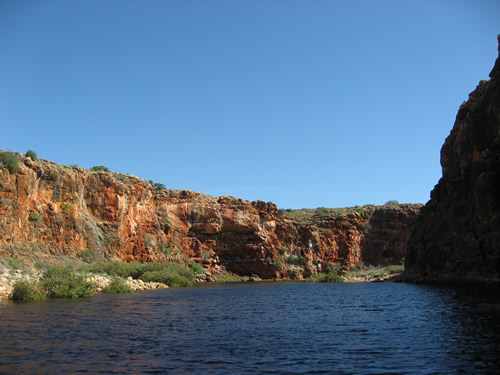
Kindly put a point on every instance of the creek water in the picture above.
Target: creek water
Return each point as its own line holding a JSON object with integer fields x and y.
{"x": 247, "y": 328}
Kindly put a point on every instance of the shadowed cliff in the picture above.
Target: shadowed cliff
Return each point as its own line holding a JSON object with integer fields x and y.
{"x": 457, "y": 237}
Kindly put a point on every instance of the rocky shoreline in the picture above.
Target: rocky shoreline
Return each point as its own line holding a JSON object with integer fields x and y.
{"x": 8, "y": 278}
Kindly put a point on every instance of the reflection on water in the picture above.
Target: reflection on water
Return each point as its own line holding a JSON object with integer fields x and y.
{"x": 253, "y": 328}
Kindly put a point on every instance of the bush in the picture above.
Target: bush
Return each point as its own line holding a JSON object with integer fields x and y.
{"x": 122, "y": 178}
{"x": 159, "y": 186}
{"x": 116, "y": 268}
{"x": 25, "y": 290}
{"x": 100, "y": 168}
{"x": 321, "y": 211}
{"x": 172, "y": 274}
{"x": 280, "y": 264}
{"x": 9, "y": 159}
{"x": 59, "y": 282}
{"x": 197, "y": 268}
{"x": 88, "y": 256}
{"x": 300, "y": 260}
{"x": 326, "y": 278}
{"x": 35, "y": 217}
{"x": 283, "y": 250}
{"x": 392, "y": 203}
{"x": 117, "y": 286}
{"x": 149, "y": 240}
{"x": 361, "y": 212}
{"x": 31, "y": 154}
{"x": 65, "y": 206}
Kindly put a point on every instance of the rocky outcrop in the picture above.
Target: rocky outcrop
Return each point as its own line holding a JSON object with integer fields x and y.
{"x": 457, "y": 237}
{"x": 49, "y": 211}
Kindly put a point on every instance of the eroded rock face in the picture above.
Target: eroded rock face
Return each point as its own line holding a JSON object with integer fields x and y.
{"x": 457, "y": 237}
{"x": 48, "y": 210}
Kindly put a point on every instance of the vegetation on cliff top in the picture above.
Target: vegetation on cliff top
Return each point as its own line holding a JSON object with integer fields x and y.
{"x": 310, "y": 215}
{"x": 9, "y": 159}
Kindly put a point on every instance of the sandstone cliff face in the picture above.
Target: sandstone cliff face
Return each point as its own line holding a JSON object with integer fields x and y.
{"x": 50, "y": 211}
{"x": 457, "y": 237}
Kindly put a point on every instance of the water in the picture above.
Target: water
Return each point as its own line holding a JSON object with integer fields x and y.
{"x": 280, "y": 328}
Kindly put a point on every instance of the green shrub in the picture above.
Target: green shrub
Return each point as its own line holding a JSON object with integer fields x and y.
{"x": 24, "y": 290}
{"x": 298, "y": 260}
{"x": 166, "y": 250}
{"x": 88, "y": 256}
{"x": 35, "y": 217}
{"x": 15, "y": 264}
{"x": 100, "y": 168}
{"x": 197, "y": 268}
{"x": 205, "y": 255}
{"x": 122, "y": 178}
{"x": 159, "y": 186}
{"x": 172, "y": 274}
{"x": 149, "y": 239}
{"x": 283, "y": 250}
{"x": 41, "y": 266}
{"x": 230, "y": 278}
{"x": 321, "y": 211}
{"x": 361, "y": 212}
{"x": 280, "y": 264}
{"x": 117, "y": 286}
{"x": 9, "y": 159}
{"x": 116, "y": 268}
{"x": 65, "y": 206}
{"x": 392, "y": 203}
{"x": 60, "y": 282}
{"x": 326, "y": 278}
{"x": 31, "y": 154}
{"x": 367, "y": 227}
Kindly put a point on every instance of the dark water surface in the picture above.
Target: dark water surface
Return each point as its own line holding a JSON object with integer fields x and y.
{"x": 282, "y": 328}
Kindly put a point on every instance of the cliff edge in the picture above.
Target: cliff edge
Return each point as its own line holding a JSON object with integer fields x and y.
{"x": 51, "y": 213}
{"x": 457, "y": 236}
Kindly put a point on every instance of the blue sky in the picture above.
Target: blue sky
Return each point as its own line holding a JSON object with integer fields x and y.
{"x": 302, "y": 103}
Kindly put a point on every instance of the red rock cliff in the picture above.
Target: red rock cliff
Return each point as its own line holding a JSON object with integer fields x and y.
{"x": 48, "y": 210}
{"x": 457, "y": 237}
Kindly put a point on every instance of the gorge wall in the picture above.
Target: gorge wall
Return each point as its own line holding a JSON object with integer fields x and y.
{"x": 457, "y": 237}
{"x": 52, "y": 212}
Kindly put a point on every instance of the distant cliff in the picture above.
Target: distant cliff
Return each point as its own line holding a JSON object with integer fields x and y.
{"x": 52, "y": 212}
{"x": 457, "y": 237}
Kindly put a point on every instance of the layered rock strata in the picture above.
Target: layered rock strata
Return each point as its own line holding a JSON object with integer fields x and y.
{"x": 49, "y": 211}
{"x": 457, "y": 237}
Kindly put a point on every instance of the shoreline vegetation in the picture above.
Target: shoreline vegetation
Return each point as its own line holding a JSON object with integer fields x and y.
{"x": 19, "y": 283}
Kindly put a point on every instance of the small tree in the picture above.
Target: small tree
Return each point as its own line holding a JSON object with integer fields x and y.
{"x": 9, "y": 159}
{"x": 159, "y": 186}
{"x": 100, "y": 168}
{"x": 392, "y": 203}
{"x": 31, "y": 154}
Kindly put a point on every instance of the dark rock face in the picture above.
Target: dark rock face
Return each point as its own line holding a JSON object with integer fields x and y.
{"x": 457, "y": 236}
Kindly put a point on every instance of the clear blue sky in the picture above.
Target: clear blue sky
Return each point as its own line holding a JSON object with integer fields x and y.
{"x": 303, "y": 103}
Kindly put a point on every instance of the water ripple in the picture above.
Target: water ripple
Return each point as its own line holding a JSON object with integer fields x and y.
{"x": 272, "y": 328}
